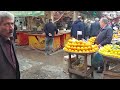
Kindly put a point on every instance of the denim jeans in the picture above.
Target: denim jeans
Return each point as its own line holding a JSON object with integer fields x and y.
{"x": 48, "y": 45}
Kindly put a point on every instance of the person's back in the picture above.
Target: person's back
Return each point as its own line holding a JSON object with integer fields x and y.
{"x": 77, "y": 26}
{"x": 50, "y": 28}
{"x": 70, "y": 24}
{"x": 94, "y": 29}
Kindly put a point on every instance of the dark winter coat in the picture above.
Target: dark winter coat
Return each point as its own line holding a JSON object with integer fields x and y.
{"x": 94, "y": 29}
{"x": 7, "y": 70}
{"x": 77, "y": 26}
{"x": 50, "y": 28}
{"x": 105, "y": 36}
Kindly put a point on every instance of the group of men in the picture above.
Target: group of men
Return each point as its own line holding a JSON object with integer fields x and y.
{"x": 99, "y": 29}
{"x": 9, "y": 66}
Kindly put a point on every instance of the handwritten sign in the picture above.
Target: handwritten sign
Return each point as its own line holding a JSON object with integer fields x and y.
{"x": 79, "y": 32}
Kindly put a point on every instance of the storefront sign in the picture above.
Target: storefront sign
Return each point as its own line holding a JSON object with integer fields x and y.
{"x": 27, "y": 13}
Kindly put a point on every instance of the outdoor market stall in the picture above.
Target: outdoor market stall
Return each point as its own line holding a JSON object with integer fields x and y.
{"x": 111, "y": 56}
{"x": 37, "y": 41}
{"x": 27, "y": 22}
{"x": 80, "y": 48}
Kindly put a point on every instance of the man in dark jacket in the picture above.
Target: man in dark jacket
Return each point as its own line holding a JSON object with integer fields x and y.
{"x": 104, "y": 37}
{"x": 70, "y": 22}
{"x": 78, "y": 25}
{"x": 94, "y": 28}
{"x": 9, "y": 67}
{"x": 50, "y": 30}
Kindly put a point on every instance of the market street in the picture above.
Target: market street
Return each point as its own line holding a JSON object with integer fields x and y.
{"x": 35, "y": 65}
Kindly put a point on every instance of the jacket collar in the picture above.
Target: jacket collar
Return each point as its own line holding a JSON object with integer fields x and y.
{"x": 2, "y": 40}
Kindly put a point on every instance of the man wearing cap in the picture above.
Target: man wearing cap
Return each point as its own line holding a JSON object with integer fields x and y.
{"x": 78, "y": 25}
{"x": 94, "y": 28}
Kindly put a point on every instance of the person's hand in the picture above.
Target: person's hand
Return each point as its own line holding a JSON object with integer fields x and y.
{"x": 50, "y": 34}
{"x": 99, "y": 46}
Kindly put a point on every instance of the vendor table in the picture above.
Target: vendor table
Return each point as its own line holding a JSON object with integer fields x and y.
{"x": 114, "y": 72}
{"x": 37, "y": 41}
{"x": 22, "y": 38}
{"x": 87, "y": 69}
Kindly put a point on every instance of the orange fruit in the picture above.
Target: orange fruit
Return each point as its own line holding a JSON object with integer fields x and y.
{"x": 68, "y": 47}
{"x": 78, "y": 48}
{"x": 78, "y": 45}
{"x": 80, "y": 41}
{"x": 85, "y": 48}
{"x": 83, "y": 51}
{"x": 89, "y": 47}
{"x": 65, "y": 48}
{"x": 87, "y": 51}
{"x": 74, "y": 48}
{"x": 76, "y": 51}
{"x": 82, "y": 48}
{"x": 80, "y": 51}
{"x": 82, "y": 45}
{"x": 96, "y": 49}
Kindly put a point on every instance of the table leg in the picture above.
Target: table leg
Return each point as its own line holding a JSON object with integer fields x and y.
{"x": 77, "y": 56}
{"x": 105, "y": 62}
{"x": 69, "y": 61}
{"x": 85, "y": 63}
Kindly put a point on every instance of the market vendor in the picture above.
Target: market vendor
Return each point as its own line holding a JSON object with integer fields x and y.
{"x": 104, "y": 37}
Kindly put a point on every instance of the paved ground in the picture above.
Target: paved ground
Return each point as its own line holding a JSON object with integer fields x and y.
{"x": 34, "y": 64}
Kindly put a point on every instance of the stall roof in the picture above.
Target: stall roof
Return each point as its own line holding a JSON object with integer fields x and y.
{"x": 27, "y": 13}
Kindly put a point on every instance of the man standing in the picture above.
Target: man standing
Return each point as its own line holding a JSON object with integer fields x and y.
{"x": 50, "y": 30}
{"x": 9, "y": 67}
{"x": 104, "y": 37}
{"x": 78, "y": 25}
{"x": 70, "y": 22}
{"x": 94, "y": 28}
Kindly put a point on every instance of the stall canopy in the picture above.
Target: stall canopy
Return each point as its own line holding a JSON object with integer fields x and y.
{"x": 27, "y": 13}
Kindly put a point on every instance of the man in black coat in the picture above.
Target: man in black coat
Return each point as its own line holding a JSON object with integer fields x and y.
{"x": 104, "y": 37}
{"x": 9, "y": 67}
{"x": 78, "y": 25}
{"x": 50, "y": 30}
{"x": 94, "y": 28}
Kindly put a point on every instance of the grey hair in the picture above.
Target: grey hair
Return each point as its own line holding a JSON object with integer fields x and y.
{"x": 6, "y": 14}
{"x": 105, "y": 20}
{"x": 96, "y": 19}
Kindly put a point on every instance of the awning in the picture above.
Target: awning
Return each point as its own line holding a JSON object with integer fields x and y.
{"x": 27, "y": 13}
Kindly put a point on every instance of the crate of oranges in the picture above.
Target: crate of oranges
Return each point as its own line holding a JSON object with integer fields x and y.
{"x": 79, "y": 46}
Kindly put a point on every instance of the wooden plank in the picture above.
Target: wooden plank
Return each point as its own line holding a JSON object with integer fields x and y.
{"x": 116, "y": 67}
{"x": 81, "y": 73}
{"x": 110, "y": 77}
{"x": 111, "y": 73}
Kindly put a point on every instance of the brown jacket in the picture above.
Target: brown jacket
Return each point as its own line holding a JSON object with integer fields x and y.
{"x": 7, "y": 70}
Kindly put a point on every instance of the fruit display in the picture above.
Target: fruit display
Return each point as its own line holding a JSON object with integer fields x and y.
{"x": 118, "y": 31}
{"x": 92, "y": 40}
{"x": 110, "y": 50}
{"x": 80, "y": 46}
{"x": 115, "y": 36}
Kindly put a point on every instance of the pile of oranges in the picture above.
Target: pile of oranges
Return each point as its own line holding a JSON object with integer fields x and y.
{"x": 92, "y": 40}
{"x": 79, "y": 46}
